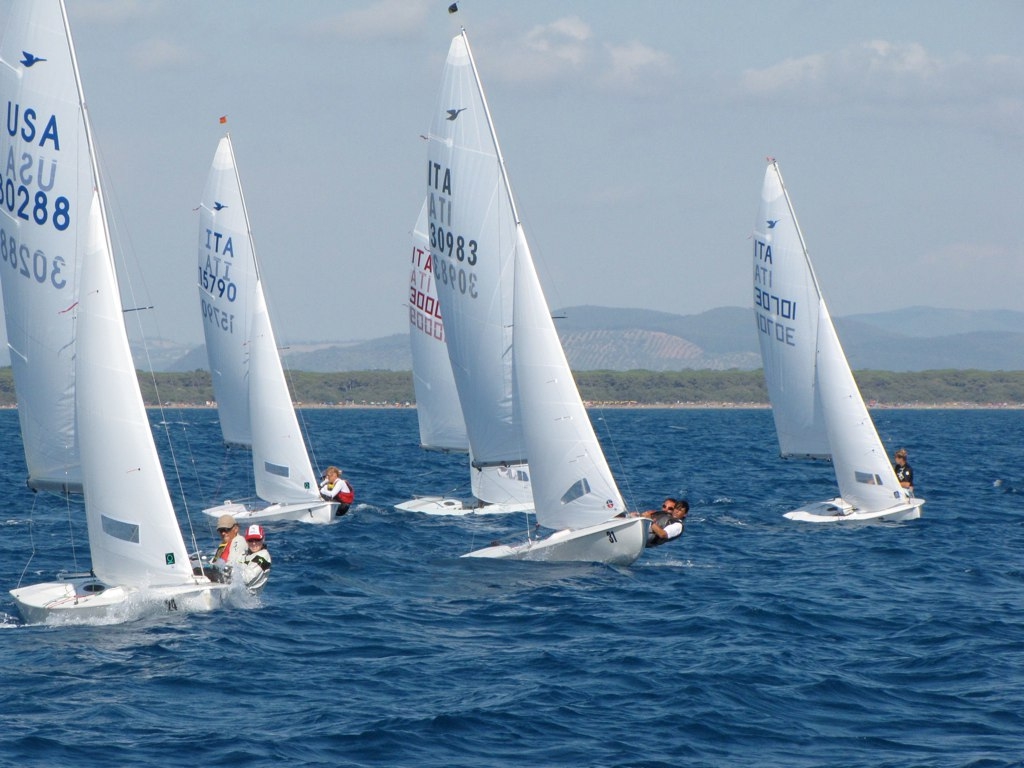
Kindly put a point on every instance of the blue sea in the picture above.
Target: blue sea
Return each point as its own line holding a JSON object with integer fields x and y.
{"x": 750, "y": 641}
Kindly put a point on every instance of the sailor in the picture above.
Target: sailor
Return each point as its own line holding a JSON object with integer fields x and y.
{"x": 256, "y": 563}
{"x": 334, "y": 488}
{"x": 903, "y": 471}
{"x": 232, "y": 548}
{"x": 669, "y": 523}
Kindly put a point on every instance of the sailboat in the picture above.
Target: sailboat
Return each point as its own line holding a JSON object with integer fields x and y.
{"x": 818, "y": 410}
{"x": 253, "y": 401}
{"x": 139, "y": 558}
{"x": 483, "y": 262}
{"x": 438, "y": 410}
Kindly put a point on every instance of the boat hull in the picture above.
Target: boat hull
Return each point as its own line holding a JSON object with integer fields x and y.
{"x": 615, "y": 542}
{"x": 316, "y": 512}
{"x": 446, "y": 505}
{"x": 88, "y": 600}
{"x": 839, "y": 511}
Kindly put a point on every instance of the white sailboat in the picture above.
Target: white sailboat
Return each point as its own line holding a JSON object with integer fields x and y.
{"x": 478, "y": 332}
{"x": 818, "y": 409}
{"x": 253, "y": 401}
{"x": 438, "y": 410}
{"x": 139, "y": 558}
{"x": 483, "y": 263}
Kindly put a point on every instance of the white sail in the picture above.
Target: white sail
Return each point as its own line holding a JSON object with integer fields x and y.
{"x": 253, "y": 400}
{"x": 46, "y": 189}
{"x": 472, "y": 234}
{"x": 817, "y": 406}
{"x": 786, "y": 312}
{"x": 865, "y": 475}
{"x": 442, "y": 427}
{"x": 471, "y": 230}
{"x": 135, "y": 544}
{"x": 282, "y": 469}
{"x": 490, "y": 282}
{"x": 572, "y": 484}
{"x": 228, "y": 281}
{"x": 133, "y": 533}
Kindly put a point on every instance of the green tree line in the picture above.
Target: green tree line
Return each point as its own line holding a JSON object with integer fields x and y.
{"x": 627, "y": 387}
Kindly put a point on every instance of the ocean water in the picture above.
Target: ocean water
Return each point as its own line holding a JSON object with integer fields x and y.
{"x": 751, "y": 641}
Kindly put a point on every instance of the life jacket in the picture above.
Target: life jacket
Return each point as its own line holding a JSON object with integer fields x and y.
{"x": 663, "y": 520}
{"x": 345, "y": 497}
{"x": 224, "y": 550}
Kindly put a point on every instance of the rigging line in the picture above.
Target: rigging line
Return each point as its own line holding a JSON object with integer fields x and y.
{"x": 67, "y": 506}
{"x": 610, "y": 436}
{"x": 195, "y": 473}
{"x": 32, "y": 538}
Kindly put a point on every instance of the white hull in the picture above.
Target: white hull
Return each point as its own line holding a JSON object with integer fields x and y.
{"x": 615, "y": 542}
{"x": 89, "y": 600}
{"x": 837, "y": 510}
{"x": 444, "y": 505}
{"x": 317, "y": 512}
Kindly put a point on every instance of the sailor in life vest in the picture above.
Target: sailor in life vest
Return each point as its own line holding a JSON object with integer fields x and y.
{"x": 256, "y": 563}
{"x": 669, "y": 523}
{"x": 232, "y": 548}
{"x": 334, "y": 488}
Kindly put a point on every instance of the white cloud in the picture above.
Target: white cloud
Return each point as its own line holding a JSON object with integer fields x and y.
{"x": 630, "y": 63}
{"x": 879, "y": 75}
{"x": 567, "y": 50}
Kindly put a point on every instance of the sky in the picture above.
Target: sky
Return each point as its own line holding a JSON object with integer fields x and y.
{"x": 635, "y": 134}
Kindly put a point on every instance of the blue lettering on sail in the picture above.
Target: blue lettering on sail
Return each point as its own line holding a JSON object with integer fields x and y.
{"x": 29, "y": 178}
{"x": 23, "y": 123}
{"x": 215, "y": 278}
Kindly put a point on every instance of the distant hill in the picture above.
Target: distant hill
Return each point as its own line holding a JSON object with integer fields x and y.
{"x": 602, "y": 338}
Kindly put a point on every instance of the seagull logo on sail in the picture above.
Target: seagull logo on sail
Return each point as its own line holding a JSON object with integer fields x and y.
{"x": 772, "y": 223}
{"x": 218, "y": 206}
{"x": 30, "y": 59}
{"x": 453, "y": 113}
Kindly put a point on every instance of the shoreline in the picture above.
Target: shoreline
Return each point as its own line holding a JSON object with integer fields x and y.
{"x": 953, "y": 406}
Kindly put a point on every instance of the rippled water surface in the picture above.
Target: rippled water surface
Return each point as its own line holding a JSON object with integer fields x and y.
{"x": 752, "y": 640}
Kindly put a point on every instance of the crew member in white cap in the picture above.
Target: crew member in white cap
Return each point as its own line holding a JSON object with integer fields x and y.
{"x": 256, "y": 567}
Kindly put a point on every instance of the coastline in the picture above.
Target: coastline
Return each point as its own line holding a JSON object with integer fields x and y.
{"x": 712, "y": 405}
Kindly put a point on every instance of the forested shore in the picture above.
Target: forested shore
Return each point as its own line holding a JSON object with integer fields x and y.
{"x": 951, "y": 388}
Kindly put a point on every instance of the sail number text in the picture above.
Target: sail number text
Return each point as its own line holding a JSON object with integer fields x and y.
{"x": 456, "y": 271}
{"x": 217, "y": 286}
{"x": 218, "y": 317}
{"x": 28, "y": 180}
{"x": 424, "y": 308}
{"x": 19, "y": 201}
{"x": 34, "y": 265}
{"x": 775, "y": 309}
{"x": 457, "y": 249}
